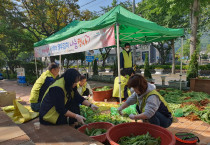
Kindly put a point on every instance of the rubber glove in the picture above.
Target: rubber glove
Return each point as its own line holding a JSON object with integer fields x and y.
{"x": 132, "y": 116}
{"x": 119, "y": 109}
{"x": 94, "y": 107}
{"x": 80, "y": 118}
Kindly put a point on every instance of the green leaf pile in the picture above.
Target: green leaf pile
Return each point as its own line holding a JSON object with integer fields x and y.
{"x": 145, "y": 139}
{"x": 94, "y": 131}
{"x": 92, "y": 116}
{"x": 176, "y": 97}
{"x": 105, "y": 88}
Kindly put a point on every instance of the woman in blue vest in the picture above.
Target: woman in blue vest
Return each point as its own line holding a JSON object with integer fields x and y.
{"x": 151, "y": 105}
{"x": 61, "y": 101}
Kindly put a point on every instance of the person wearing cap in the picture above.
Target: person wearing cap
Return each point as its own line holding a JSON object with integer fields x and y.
{"x": 60, "y": 104}
{"x": 151, "y": 106}
{"x": 41, "y": 85}
{"x": 83, "y": 87}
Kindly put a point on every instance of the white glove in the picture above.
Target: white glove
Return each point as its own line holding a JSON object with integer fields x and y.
{"x": 131, "y": 116}
{"x": 80, "y": 119}
{"x": 94, "y": 107}
{"x": 119, "y": 109}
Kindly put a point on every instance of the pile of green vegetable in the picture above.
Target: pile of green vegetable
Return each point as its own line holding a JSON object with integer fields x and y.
{"x": 177, "y": 99}
{"x": 96, "y": 116}
{"x": 105, "y": 88}
{"x": 94, "y": 131}
{"x": 145, "y": 139}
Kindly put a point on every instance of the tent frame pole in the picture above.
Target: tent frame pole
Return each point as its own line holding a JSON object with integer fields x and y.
{"x": 36, "y": 67}
{"x": 60, "y": 65}
{"x": 181, "y": 55}
{"x": 118, "y": 61}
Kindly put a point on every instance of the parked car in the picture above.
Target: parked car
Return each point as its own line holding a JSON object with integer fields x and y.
{"x": 1, "y": 76}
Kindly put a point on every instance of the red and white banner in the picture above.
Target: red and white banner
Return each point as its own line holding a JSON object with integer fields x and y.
{"x": 87, "y": 41}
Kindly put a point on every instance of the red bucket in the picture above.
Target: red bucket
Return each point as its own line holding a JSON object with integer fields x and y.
{"x": 98, "y": 125}
{"x": 101, "y": 95}
{"x": 127, "y": 129}
{"x": 190, "y": 141}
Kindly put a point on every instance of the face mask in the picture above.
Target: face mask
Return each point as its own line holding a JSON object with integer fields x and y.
{"x": 127, "y": 49}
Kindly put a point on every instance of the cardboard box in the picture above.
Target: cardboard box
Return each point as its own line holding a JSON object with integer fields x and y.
{"x": 6, "y": 98}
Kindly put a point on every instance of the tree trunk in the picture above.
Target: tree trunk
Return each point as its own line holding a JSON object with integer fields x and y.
{"x": 194, "y": 26}
{"x": 103, "y": 64}
{"x": 52, "y": 59}
{"x": 173, "y": 57}
{"x": 162, "y": 57}
{"x": 67, "y": 64}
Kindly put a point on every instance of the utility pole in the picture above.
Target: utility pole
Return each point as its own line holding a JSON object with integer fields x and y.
{"x": 134, "y": 48}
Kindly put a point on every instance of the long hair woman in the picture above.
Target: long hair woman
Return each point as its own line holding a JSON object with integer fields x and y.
{"x": 61, "y": 101}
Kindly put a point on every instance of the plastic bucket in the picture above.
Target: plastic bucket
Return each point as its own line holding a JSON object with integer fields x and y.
{"x": 101, "y": 95}
{"x": 98, "y": 125}
{"x": 133, "y": 128}
{"x": 190, "y": 141}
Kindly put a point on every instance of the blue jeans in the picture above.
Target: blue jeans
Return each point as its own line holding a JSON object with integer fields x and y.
{"x": 161, "y": 120}
{"x": 35, "y": 107}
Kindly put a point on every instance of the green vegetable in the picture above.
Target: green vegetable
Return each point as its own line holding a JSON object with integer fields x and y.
{"x": 145, "y": 139}
{"x": 92, "y": 116}
{"x": 105, "y": 88}
{"x": 94, "y": 132}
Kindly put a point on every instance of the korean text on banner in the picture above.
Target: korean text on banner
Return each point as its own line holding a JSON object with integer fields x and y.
{"x": 87, "y": 41}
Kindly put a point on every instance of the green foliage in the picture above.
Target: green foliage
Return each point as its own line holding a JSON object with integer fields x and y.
{"x": 104, "y": 54}
{"x": 105, "y": 88}
{"x": 176, "y": 97}
{"x": 184, "y": 67}
{"x": 94, "y": 131}
{"x": 192, "y": 71}
{"x": 92, "y": 116}
{"x": 30, "y": 70}
{"x": 145, "y": 139}
{"x": 95, "y": 68}
{"x": 147, "y": 73}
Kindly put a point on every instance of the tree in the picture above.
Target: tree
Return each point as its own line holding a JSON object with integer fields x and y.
{"x": 192, "y": 71}
{"x": 157, "y": 11}
{"x": 13, "y": 41}
{"x": 126, "y": 4}
{"x": 104, "y": 54}
{"x": 164, "y": 49}
{"x": 193, "y": 9}
{"x": 147, "y": 73}
{"x": 42, "y": 18}
{"x": 95, "y": 67}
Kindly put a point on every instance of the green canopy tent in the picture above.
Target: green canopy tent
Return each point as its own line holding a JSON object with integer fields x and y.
{"x": 129, "y": 28}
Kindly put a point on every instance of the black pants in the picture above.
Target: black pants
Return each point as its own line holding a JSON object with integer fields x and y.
{"x": 86, "y": 92}
{"x": 125, "y": 94}
{"x": 158, "y": 119}
{"x": 72, "y": 106}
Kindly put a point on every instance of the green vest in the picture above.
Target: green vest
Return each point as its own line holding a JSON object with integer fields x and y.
{"x": 124, "y": 82}
{"x": 83, "y": 87}
{"x": 52, "y": 115}
{"x": 153, "y": 92}
{"x": 127, "y": 59}
{"x": 37, "y": 86}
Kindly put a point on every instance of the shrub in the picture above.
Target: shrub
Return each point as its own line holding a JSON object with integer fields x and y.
{"x": 147, "y": 73}
{"x": 204, "y": 67}
{"x": 30, "y": 70}
{"x": 95, "y": 68}
{"x": 192, "y": 71}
